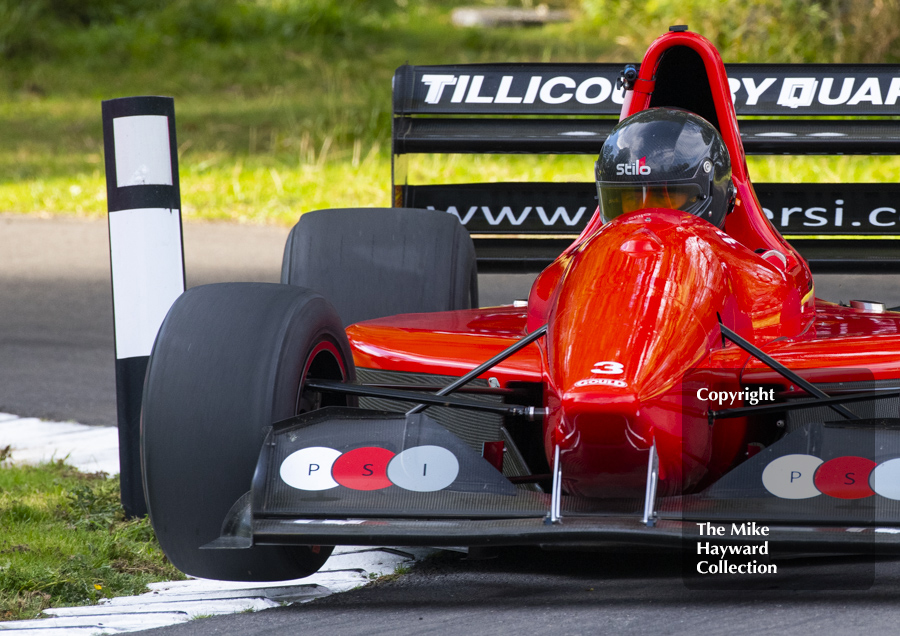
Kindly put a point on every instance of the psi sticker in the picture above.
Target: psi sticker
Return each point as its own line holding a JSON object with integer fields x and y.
{"x": 424, "y": 468}
{"x": 310, "y": 468}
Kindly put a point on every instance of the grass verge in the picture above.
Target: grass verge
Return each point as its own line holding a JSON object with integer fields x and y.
{"x": 64, "y": 541}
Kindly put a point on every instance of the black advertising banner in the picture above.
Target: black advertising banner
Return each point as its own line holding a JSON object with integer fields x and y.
{"x": 831, "y": 209}
{"x": 511, "y": 208}
{"x": 815, "y": 89}
{"x": 801, "y": 209}
{"x": 541, "y": 89}
{"x": 590, "y": 89}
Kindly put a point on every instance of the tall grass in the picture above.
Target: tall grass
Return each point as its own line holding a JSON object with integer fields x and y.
{"x": 283, "y": 106}
{"x": 64, "y": 541}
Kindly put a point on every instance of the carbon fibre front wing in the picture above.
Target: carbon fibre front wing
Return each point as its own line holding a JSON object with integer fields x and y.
{"x": 342, "y": 476}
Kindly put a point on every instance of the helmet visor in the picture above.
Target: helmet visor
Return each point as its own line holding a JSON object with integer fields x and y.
{"x": 619, "y": 199}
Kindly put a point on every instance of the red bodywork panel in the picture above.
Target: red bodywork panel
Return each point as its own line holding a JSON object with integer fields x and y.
{"x": 632, "y": 309}
{"x": 447, "y": 343}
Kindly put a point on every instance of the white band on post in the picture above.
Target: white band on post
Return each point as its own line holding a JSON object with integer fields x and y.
{"x": 146, "y": 255}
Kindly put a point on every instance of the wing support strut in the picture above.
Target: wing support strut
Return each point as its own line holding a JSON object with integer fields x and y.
{"x": 555, "y": 514}
{"x": 649, "y": 518}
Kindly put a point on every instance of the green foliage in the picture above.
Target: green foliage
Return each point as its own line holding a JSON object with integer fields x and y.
{"x": 21, "y": 28}
{"x": 85, "y": 12}
{"x": 761, "y": 30}
{"x": 284, "y": 106}
{"x": 178, "y": 21}
{"x": 64, "y": 541}
{"x": 93, "y": 506}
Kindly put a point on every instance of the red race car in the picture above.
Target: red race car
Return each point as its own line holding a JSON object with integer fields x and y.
{"x": 670, "y": 374}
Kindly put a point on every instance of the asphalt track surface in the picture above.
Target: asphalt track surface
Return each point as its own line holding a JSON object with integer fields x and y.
{"x": 529, "y": 591}
{"x": 56, "y": 362}
{"x": 56, "y": 331}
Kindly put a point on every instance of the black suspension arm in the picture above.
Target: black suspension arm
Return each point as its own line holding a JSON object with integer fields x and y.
{"x": 516, "y": 410}
{"x": 474, "y": 373}
{"x": 784, "y": 371}
{"x": 764, "y": 409}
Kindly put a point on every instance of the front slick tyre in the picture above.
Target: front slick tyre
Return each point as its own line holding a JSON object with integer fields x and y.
{"x": 229, "y": 360}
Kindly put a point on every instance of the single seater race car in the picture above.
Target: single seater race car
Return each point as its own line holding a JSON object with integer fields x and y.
{"x": 663, "y": 373}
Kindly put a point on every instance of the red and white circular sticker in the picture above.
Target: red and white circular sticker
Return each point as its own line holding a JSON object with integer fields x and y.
{"x": 363, "y": 468}
{"x": 845, "y": 477}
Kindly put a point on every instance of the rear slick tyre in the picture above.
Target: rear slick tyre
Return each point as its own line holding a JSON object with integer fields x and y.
{"x": 376, "y": 262}
{"x": 229, "y": 360}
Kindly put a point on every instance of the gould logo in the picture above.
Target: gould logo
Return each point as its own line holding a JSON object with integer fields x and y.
{"x": 602, "y": 382}
{"x": 638, "y": 167}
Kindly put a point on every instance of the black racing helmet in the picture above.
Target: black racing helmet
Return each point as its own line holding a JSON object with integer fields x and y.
{"x": 665, "y": 158}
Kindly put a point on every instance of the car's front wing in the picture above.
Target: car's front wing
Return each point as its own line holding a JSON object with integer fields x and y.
{"x": 351, "y": 476}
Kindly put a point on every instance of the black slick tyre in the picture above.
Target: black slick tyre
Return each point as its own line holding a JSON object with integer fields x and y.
{"x": 374, "y": 262}
{"x": 229, "y": 360}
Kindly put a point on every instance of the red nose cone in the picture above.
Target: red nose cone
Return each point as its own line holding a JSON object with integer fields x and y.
{"x": 621, "y": 337}
{"x": 603, "y": 444}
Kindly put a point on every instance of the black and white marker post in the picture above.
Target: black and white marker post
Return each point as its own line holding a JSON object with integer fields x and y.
{"x": 146, "y": 256}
